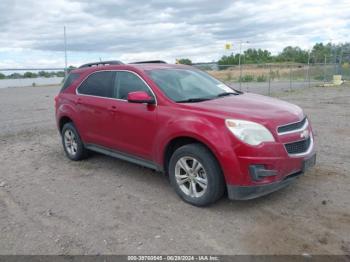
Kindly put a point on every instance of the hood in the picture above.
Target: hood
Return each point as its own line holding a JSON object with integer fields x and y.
{"x": 265, "y": 110}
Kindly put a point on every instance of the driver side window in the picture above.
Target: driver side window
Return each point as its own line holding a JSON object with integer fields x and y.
{"x": 126, "y": 82}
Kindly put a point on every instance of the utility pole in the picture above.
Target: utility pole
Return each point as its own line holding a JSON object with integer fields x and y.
{"x": 65, "y": 51}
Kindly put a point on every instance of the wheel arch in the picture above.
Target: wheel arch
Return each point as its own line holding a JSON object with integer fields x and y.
{"x": 67, "y": 113}
{"x": 62, "y": 121}
{"x": 177, "y": 142}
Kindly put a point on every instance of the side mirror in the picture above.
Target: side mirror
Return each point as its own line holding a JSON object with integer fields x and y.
{"x": 140, "y": 97}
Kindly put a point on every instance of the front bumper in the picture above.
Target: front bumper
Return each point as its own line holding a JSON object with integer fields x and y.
{"x": 254, "y": 191}
{"x": 251, "y": 192}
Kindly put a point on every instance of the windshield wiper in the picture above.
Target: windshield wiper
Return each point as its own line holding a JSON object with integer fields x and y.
{"x": 193, "y": 100}
{"x": 227, "y": 94}
{"x": 200, "y": 99}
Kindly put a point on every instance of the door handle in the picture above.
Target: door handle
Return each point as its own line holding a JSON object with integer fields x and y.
{"x": 113, "y": 109}
{"x": 78, "y": 101}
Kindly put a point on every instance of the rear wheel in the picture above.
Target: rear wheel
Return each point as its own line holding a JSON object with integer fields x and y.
{"x": 196, "y": 175}
{"x": 72, "y": 143}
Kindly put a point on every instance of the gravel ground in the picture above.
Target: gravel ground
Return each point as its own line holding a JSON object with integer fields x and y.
{"x": 50, "y": 205}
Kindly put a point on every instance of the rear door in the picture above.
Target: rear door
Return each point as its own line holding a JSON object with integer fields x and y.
{"x": 96, "y": 107}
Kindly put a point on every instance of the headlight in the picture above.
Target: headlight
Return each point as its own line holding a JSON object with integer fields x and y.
{"x": 249, "y": 132}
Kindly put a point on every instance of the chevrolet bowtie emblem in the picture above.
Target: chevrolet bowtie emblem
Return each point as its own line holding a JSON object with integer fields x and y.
{"x": 305, "y": 134}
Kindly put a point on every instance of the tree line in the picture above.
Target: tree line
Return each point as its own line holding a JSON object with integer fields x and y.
{"x": 45, "y": 74}
{"x": 320, "y": 53}
{"x": 41, "y": 73}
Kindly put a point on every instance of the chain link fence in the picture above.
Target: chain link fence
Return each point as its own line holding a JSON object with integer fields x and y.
{"x": 271, "y": 78}
{"x": 258, "y": 78}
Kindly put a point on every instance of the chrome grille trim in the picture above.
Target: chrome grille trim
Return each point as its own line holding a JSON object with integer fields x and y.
{"x": 298, "y": 129}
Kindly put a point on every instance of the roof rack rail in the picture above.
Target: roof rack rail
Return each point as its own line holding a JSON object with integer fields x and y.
{"x": 102, "y": 63}
{"x": 150, "y": 62}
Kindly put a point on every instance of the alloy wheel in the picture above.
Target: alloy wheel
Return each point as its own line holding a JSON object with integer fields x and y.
{"x": 70, "y": 142}
{"x": 191, "y": 176}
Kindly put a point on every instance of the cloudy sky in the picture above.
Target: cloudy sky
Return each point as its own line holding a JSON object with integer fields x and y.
{"x": 31, "y": 31}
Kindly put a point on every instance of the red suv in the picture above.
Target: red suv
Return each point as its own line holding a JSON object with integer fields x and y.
{"x": 207, "y": 137}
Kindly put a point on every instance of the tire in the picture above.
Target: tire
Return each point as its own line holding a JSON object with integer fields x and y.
{"x": 72, "y": 144}
{"x": 198, "y": 184}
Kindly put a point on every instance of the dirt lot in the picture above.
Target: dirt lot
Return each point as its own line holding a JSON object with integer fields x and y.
{"x": 50, "y": 205}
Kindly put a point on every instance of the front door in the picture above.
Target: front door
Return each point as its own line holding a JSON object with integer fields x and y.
{"x": 134, "y": 125}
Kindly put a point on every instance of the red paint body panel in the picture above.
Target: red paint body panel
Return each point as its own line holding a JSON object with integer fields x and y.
{"x": 145, "y": 130}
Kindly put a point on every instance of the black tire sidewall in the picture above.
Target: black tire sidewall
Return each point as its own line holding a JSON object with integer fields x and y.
{"x": 81, "y": 152}
{"x": 215, "y": 187}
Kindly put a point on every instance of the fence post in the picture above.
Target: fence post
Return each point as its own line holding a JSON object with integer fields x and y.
{"x": 240, "y": 76}
{"x": 340, "y": 69}
{"x": 290, "y": 77}
{"x": 308, "y": 68}
{"x": 269, "y": 90}
{"x": 324, "y": 69}
{"x": 308, "y": 75}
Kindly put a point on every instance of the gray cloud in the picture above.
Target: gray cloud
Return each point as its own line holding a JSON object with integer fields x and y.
{"x": 168, "y": 29}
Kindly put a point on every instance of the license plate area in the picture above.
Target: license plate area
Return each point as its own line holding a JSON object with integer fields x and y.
{"x": 308, "y": 163}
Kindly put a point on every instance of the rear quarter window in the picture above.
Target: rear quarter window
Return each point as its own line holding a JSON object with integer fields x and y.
{"x": 69, "y": 80}
{"x": 99, "y": 83}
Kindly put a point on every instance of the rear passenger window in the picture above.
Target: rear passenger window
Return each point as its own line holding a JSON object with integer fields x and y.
{"x": 127, "y": 82}
{"x": 69, "y": 80}
{"x": 98, "y": 84}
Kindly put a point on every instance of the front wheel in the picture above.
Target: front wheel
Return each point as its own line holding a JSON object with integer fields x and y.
{"x": 196, "y": 175}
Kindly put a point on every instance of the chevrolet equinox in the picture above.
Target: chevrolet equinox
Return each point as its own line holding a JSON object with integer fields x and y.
{"x": 207, "y": 137}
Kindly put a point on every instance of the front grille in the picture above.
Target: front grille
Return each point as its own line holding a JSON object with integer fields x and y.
{"x": 298, "y": 147}
{"x": 291, "y": 127}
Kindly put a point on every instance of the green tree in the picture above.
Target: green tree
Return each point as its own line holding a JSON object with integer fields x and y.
{"x": 256, "y": 56}
{"x": 232, "y": 59}
{"x": 293, "y": 54}
{"x": 70, "y": 68}
{"x": 59, "y": 74}
{"x": 15, "y": 76}
{"x": 184, "y": 61}
{"x": 2, "y": 76}
{"x": 44, "y": 74}
{"x": 320, "y": 51}
{"x": 249, "y": 56}
{"x": 30, "y": 75}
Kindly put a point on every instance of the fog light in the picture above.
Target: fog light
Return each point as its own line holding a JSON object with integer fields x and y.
{"x": 258, "y": 172}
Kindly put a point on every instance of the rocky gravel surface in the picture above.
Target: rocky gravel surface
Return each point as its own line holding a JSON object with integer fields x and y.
{"x": 50, "y": 205}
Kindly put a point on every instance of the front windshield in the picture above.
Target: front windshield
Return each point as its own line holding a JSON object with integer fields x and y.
{"x": 184, "y": 85}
